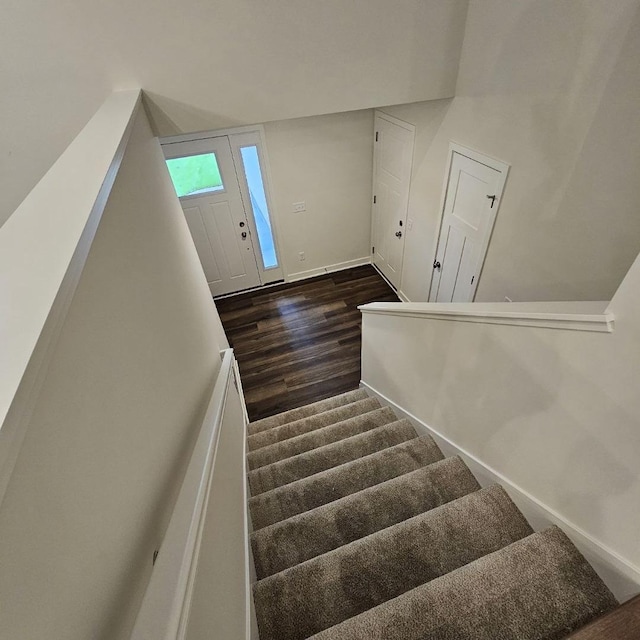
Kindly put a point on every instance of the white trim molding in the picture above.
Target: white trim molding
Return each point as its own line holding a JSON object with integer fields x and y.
{"x": 620, "y": 576}
{"x": 400, "y": 123}
{"x": 574, "y": 316}
{"x": 340, "y": 266}
{"x": 215, "y": 133}
{"x": 251, "y": 623}
{"x": 482, "y": 158}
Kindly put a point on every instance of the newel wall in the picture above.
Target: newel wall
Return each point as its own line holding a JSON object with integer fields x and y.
{"x": 553, "y": 412}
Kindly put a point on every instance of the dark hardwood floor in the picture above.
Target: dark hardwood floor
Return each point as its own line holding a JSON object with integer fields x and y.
{"x": 298, "y": 343}
{"x": 622, "y": 623}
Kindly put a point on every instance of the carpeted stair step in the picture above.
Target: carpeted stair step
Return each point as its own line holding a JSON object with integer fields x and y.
{"x": 331, "y": 455}
{"x": 304, "y": 425}
{"x": 322, "y": 592}
{"x": 306, "y": 411}
{"x": 539, "y": 588}
{"x": 307, "y": 535}
{"x": 327, "y": 486}
{"x": 320, "y": 437}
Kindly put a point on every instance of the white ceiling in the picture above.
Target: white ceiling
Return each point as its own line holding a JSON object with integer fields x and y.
{"x": 206, "y": 64}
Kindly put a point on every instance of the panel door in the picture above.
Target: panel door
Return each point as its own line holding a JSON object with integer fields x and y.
{"x": 468, "y": 216}
{"x": 205, "y": 179}
{"x": 393, "y": 157}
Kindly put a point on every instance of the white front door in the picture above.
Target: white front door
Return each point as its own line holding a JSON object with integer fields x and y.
{"x": 393, "y": 158}
{"x": 473, "y": 192}
{"x": 205, "y": 178}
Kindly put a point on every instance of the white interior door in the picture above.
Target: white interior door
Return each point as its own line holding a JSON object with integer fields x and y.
{"x": 473, "y": 192}
{"x": 204, "y": 175}
{"x": 393, "y": 158}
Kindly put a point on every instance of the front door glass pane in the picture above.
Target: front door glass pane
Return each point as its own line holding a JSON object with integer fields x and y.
{"x": 195, "y": 175}
{"x": 258, "y": 197}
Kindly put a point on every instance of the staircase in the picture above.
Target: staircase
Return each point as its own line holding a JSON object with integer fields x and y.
{"x": 363, "y": 530}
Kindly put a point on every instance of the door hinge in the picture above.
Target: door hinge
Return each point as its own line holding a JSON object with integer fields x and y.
{"x": 472, "y": 279}
{"x": 373, "y": 249}
{"x": 376, "y": 136}
{"x": 374, "y": 199}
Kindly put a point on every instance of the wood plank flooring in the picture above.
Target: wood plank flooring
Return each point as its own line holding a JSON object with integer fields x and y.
{"x": 622, "y": 623}
{"x": 298, "y": 343}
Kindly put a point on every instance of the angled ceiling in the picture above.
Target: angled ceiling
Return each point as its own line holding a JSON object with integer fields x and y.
{"x": 210, "y": 64}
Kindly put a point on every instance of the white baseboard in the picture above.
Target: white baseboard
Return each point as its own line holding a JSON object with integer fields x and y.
{"x": 403, "y": 296}
{"x": 250, "y": 577}
{"x": 311, "y": 273}
{"x": 620, "y": 576}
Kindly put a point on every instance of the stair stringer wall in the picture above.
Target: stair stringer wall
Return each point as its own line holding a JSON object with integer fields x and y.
{"x": 621, "y": 577}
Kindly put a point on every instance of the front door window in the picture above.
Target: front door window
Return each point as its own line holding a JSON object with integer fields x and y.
{"x": 195, "y": 175}
{"x": 255, "y": 184}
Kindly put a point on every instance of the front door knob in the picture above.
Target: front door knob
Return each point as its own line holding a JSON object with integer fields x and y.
{"x": 241, "y": 225}
{"x": 244, "y": 234}
{"x": 437, "y": 265}
{"x": 398, "y": 234}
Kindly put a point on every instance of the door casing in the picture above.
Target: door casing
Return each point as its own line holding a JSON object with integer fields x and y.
{"x": 395, "y": 279}
{"x": 503, "y": 169}
{"x": 242, "y": 136}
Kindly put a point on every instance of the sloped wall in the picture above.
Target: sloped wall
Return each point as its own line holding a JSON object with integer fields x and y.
{"x": 113, "y": 427}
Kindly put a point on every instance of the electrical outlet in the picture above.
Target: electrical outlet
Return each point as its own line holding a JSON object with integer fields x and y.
{"x": 299, "y": 207}
{"x": 301, "y": 256}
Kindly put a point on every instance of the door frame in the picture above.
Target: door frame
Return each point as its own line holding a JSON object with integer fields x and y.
{"x": 412, "y": 129}
{"x": 258, "y": 130}
{"x": 498, "y": 165}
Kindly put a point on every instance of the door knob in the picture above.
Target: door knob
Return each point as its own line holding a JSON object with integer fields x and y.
{"x": 244, "y": 234}
{"x": 436, "y": 265}
{"x": 398, "y": 234}
{"x": 241, "y": 225}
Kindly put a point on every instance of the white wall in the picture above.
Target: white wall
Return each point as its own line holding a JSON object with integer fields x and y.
{"x": 110, "y": 433}
{"x": 552, "y": 89}
{"x": 325, "y": 161}
{"x": 556, "y": 412}
{"x": 210, "y": 65}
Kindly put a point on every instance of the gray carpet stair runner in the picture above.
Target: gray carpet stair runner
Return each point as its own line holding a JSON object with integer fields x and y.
{"x": 362, "y": 530}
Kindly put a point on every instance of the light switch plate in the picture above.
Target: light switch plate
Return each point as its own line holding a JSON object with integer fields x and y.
{"x": 298, "y": 207}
